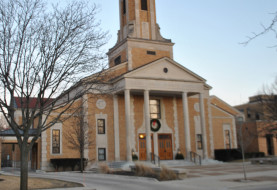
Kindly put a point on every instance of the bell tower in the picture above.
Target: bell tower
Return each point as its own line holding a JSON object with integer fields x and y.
{"x": 139, "y": 39}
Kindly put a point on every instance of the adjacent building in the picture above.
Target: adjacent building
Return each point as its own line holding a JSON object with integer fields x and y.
{"x": 259, "y": 132}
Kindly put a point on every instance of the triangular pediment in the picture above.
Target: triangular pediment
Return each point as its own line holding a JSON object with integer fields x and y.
{"x": 165, "y": 69}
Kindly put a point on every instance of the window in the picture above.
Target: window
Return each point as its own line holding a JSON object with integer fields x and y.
{"x": 257, "y": 116}
{"x": 101, "y": 126}
{"x": 155, "y": 109}
{"x": 117, "y": 60}
{"x": 144, "y": 5}
{"x": 248, "y": 113}
{"x": 55, "y": 141}
{"x": 102, "y": 154}
{"x": 227, "y": 139}
{"x": 199, "y": 141}
{"x": 151, "y": 52}
{"x": 124, "y": 6}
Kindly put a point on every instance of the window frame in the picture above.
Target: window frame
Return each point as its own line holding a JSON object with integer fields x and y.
{"x": 104, "y": 127}
{"x": 158, "y": 113}
{"x": 105, "y": 158}
{"x": 58, "y": 141}
{"x": 227, "y": 138}
{"x": 199, "y": 141}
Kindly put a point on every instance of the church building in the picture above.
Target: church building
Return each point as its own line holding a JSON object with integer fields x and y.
{"x": 158, "y": 106}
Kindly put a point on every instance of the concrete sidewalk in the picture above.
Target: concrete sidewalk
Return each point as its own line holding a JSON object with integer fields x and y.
{"x": 210, "y": 177}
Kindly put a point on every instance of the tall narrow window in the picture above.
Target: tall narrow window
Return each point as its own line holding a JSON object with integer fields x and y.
{"x": 155, "y": 109}
{"x": 199, "y": 141}
{"x": 227, "y": 139}
{"x": 101, "y": 126}
{"x": 124, "y": 6}
{"x": 55, "y": 141}
{"x": 144, "y": 5}
{"x": 102, "y": 154}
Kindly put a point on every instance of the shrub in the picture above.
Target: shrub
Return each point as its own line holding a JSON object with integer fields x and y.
{"x": 167, "y": 174}
{"x": 226, "y": 155}
{"x": 134, "y": 157}
{"x": 179, "y": 156}
{"x": 144, "y": 171}
{"x": 104, "y": 168}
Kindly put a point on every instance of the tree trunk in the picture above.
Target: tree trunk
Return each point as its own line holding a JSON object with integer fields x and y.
{"x": 24, "y": 168}
{"x": 82, "y": 158}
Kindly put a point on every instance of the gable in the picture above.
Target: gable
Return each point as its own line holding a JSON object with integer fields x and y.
{"x": 217, "y": 112}
{"x": 165, "y": 69}
{"x": 224, "y": 106}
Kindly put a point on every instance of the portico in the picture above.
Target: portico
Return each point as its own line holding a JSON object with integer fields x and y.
{"x": 138, "y": 83}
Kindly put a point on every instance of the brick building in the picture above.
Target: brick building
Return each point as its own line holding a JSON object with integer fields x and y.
{"x": 158, "y": 106}
{"x": 259, "y": 132}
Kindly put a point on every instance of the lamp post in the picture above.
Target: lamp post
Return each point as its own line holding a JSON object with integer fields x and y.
{"x": 240, "y": 122}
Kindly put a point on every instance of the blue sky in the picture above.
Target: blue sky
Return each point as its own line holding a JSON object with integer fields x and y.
{"x": 207, "y": 36}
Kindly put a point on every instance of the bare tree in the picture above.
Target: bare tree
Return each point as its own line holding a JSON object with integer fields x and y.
{"x": 78, "y": 134}
{"x": 265, "y": 29}
{"x": 268, "y": 101}
{"x": 43, "y": 54}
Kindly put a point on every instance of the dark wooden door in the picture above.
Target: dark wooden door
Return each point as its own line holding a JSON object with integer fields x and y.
{"x": 165, "y": 147}
{"x": 142, "y": 147}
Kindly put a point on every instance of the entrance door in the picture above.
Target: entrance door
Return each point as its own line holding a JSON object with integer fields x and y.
{"x": 269, "y": 139}
{"x": 165, "y": 147}
{"x": 34, "y": 157}
{"x": 142, "y": 147}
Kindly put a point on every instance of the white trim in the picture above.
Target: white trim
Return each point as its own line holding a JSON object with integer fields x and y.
{"x": 57, "y": 126}
{"x": 211, "y": 128}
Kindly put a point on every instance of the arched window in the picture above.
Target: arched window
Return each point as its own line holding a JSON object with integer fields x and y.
{"x": 124, "y": 6}
{"x": 144, "y": 5}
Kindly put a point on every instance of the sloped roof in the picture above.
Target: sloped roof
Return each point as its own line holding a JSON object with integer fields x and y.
{"x": 224, "y": 106}
{"x": 22, "y": 102}
{"x": 10, "y": 132}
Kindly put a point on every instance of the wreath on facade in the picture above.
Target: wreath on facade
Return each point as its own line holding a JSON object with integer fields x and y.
{"x": 155, "y": 125}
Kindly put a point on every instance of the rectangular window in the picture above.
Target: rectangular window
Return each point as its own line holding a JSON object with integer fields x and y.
{"x": 227, "y": 139}
{"x": 155, "y": 109}
{"x": 101, "y": 126}
{"x": 144, "y": 5}
{"x": 117, "y": 60}
{"x": 151, "y": 52}
{"x": 56, "y": 141}
{"x": 102, "y": 154}
{"x": 124, "y": 6}
{"x": 199, "y": 141}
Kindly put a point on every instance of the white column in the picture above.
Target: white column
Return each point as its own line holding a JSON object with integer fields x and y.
{"x": 116, "y": 129}
{"x": 203, "y": 125}
{"x": 186, "y": 124}
{"x": 127, "y": 124}
{"x": 147, "y": 124}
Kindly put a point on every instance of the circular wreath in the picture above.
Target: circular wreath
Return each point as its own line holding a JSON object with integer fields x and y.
{"x": 155, "y": 125}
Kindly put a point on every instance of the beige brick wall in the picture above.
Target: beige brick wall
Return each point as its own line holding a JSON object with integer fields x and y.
{"x": 144, "y": 58}
{"x": 138, "y": 115}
